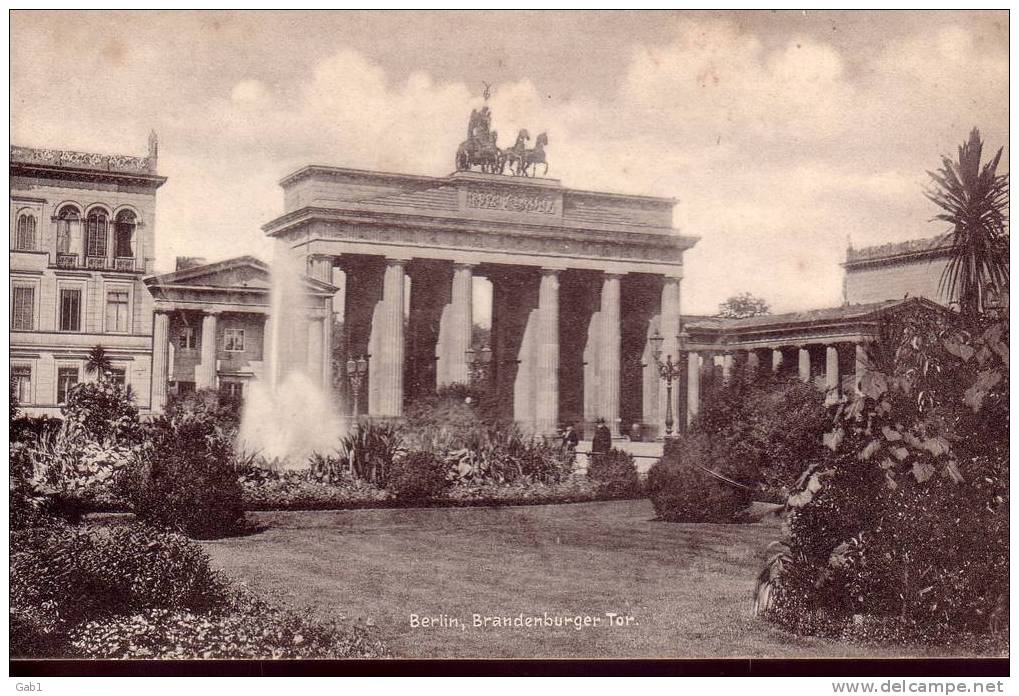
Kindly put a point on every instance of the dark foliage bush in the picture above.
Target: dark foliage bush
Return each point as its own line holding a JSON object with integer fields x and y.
{"x": 418, "y": 477}
{"x": 29, "y": 506}
{"x": 616, "y": 474}
{"x": 767, "y": 427}
{"x": 222, "y": 409}
{"x": 62, "y": 575}
{"x": 31, "y": 429}
{"x": 901, "y": 532}
{"x": 184, "y": 479}
{"x": 30, "y": 639}
{"x": 136, "y": 592}
{"x": 103, "y": 411}
{"x": 681, "y": 491}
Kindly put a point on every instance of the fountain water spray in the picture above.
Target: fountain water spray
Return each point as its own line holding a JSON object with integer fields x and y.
{"x": 288, "y": 415}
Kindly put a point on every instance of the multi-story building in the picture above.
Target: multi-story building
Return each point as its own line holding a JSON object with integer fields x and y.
{"x": 82, "y": 237}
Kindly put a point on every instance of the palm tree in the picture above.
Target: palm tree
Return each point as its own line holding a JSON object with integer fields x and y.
{"x": 975, "y": 203}
{"x": 98, "y": 362}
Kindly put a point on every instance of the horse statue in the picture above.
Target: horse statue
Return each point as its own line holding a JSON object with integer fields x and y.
{"x": 512, "y": 155}
{"x": 534, "y": 156}
{"x": 480, "y": 147}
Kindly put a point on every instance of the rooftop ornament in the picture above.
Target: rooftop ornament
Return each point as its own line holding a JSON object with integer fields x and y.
{"x": 481, "y": 149}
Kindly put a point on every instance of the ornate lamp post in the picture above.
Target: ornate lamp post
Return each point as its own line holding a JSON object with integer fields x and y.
{"x": 479, "y": 362}
{"x": 668, "y": 371}
{"x": 356, "y": 372}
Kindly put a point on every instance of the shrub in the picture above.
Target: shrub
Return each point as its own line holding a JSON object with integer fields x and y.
{"x": 103, "y": 411}
{"x": 249, "y": 628}
{"x": 418, "y": 477}
{"x": 616, "y": 474}
{"x": 31, "y": 429}
{"x": 682, "y": 491}
{"x": 184, "y": 479}
{"x": 903, "y": 528}
{"x": 63, "y": 575}
{"x": 766, "y": 427}
{"x": 29, "y": 506}
{"x": 222, "y": 409}
{"x": 369, "y": 450}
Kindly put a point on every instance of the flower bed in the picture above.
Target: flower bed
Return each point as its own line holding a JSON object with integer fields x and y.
{"x": 297, "y": 492}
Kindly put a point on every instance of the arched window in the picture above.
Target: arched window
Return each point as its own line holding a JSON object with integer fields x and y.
{"x": 68, "y": 221}
{"x": 96, "y": 227}
{"x": 123, "y": 234}
{"x": 25, "y": 237}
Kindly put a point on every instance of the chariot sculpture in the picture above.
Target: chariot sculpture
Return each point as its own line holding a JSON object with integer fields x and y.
{"x": 481, "y": 149}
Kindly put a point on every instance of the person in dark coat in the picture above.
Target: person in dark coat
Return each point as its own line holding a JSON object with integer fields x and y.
{"x": 602, "y": 442}
{"x": 570, "y": 438}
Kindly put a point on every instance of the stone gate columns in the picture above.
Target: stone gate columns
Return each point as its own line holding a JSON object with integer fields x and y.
{"x": 669, "y": 328}
{"x": 385, "y": 395}
{"x": 320, "y": 338}
{"x": 160, "y": 359}
{"x": 804, "y": 355}
{"x": 455, "y": 328}
{"x": 861, "y": 364}
{"x": 205, "y": 374}
{"x": 546, "y": 373}
{"x": 831, "y": 372}
{"x": 609, "y": 355}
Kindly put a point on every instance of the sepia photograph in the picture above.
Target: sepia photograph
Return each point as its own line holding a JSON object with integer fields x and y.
{"x": 661, "y": 338}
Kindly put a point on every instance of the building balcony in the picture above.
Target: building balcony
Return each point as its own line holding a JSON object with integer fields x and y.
{"x": 126, "y": 264}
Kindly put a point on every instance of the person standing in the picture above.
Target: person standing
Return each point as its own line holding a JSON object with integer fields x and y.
{"x": 602, "y": 442}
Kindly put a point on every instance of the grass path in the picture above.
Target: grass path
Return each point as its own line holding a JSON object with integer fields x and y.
{"x": 687, "y": 587}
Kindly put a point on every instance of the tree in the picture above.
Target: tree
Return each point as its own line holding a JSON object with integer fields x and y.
{"x": 742, "y": 306}
{"x": 974, "y": 201}
{"x": 98, "y": 363}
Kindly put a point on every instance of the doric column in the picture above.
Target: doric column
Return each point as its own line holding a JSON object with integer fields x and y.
{"x": 669, "y": 331}
{"x": 776, "y": 359}
{"x": 753, "y": 362}
{"x": 693, "y": 385}
{"x": 609, "y": 355}
{"x": 160, "y": 359}
{"x": 387, "y": 364}
{"x": 205, "y": 374}
{"x": 321, "y": 268}
{"x": 831, "y": 371}
{"x": 804, "y": 364}
{"x": 727, "y": 360}
{"x": 456, "y": 329}
{"x": 861, "y": 364}
{"x": 546, "y": 375}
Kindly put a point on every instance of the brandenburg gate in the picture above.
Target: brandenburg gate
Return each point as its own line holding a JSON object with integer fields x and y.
{"x": 580, "y": 280}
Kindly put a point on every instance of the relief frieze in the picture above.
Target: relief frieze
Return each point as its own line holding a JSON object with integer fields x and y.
{"x": 512, "y": 202}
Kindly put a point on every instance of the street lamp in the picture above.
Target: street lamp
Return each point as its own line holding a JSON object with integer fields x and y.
{"x": 478, "y": 364}
{"x": 668, "y": 371}
{"x": 356, "y": 371}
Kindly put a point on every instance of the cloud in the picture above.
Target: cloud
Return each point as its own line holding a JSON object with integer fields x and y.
{"x": 777, "y": 147}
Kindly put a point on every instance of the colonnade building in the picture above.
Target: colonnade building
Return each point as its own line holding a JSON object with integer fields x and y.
{"x": 580, "y": 280}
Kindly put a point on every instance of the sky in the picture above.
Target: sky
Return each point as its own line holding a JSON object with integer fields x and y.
{"x": 784, "y": 135}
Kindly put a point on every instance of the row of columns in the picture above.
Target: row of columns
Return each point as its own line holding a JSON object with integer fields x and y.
{"x": 832, "y": 374}
{"x": 526, "y": 335}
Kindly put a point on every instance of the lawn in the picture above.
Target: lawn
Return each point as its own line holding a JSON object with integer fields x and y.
{"x": 686, "y": 587}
